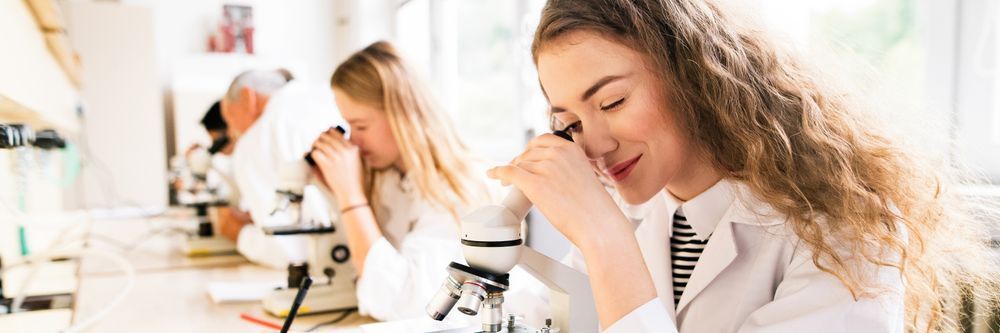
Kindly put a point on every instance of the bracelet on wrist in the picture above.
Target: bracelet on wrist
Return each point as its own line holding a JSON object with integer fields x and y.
{"x": 353, "y": 207}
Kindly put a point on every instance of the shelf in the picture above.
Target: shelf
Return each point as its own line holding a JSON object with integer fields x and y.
{"x": 34, "y": 88}
{"x": 12, "y": 112}
{"x": 47, "y": 14}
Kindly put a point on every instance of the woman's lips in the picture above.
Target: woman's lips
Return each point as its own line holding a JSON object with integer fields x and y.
{"x": 621, "y": 170}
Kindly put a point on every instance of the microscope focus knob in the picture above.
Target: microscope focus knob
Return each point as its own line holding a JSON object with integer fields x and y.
{"x": 340, "y": 254}
{"x": 329, "y": 272}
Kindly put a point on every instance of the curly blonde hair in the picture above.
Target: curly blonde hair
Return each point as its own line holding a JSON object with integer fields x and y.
{"x": 806, "y": 147}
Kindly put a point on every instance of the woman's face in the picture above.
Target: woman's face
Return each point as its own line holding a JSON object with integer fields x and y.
{"x": 617, "y": 109}
{"x": 370, "y": 131}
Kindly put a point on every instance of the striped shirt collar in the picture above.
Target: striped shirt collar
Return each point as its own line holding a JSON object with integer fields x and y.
{"x": 705, "y": 210}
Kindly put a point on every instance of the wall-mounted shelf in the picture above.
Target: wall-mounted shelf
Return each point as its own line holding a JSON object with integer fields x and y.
{"x": 50, "y": 22}
{"x": 12, "y": 112}
{"x": 34, "y": 87}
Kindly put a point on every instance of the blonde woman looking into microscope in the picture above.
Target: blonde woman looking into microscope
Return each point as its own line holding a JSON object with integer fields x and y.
{"x": 401, "y": 180}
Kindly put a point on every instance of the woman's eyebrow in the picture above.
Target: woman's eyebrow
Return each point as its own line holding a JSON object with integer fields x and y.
{"x": 600, "y": 84}
{"x": 592, "y": 90}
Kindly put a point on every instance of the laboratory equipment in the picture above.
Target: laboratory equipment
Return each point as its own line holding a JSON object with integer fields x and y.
{"x": 202, "y": 192}
{"x": 492, "y": 246}
{"x": 328, "y": 257}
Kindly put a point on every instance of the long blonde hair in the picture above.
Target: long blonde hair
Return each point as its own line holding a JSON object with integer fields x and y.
{"x": 435, "y": 159}
{"x": 806, "y": 148}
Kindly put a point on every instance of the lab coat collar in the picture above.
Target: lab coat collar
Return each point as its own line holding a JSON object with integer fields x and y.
{"x": 714, "y": 212}
{"x": 394, "y": 176}
{"x": 727, "y": 201}
{"x": 704, "y": 211}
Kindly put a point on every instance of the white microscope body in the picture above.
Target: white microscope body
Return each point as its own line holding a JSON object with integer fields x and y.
{"x": 202, "y": 190}
{"x": 327, "y": 260}
{"x": 492, "y": 245}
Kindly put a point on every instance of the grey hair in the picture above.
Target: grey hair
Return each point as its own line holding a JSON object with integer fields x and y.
{"x": 263, "y": 82}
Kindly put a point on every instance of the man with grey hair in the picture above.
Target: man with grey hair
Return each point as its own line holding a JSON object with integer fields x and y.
{"x": 274, "y": 122}
{"x": 247, "y": 96}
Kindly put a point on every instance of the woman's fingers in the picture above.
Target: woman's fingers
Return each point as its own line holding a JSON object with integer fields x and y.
{"x": 548, "y": 140}
{"x": 321, "y": 157}
{"x": 335, "y": 138}
{"x": 509, "y": 174}
{"x": 536, "y": 154}
{"x": 331, "y": 140}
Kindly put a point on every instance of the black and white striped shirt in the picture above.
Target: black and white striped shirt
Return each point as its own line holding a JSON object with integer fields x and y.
{"x": 685, "y": 249}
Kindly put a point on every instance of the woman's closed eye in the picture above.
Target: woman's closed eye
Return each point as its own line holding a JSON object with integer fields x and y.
{"x": 613, "y": 106}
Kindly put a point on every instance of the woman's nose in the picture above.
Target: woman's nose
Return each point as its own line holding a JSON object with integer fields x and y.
{"x": 597, "y": 140}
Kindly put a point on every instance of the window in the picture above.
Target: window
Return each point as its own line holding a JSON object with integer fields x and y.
{"x": 929, "y": 65}
{"x": 476, "y": 53}
{"x": 875, "y": 47}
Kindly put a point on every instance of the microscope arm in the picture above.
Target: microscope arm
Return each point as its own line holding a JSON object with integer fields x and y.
{"x": 570, "y": 297}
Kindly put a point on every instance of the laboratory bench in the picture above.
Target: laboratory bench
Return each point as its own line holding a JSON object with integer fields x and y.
{"x": 169, "y": 292}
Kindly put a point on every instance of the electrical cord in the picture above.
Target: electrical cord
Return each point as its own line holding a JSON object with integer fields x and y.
{"x": 127, "y": 248}
{"x": 36, "y": 259}
{"x": 129, "y": 283}
{"x": 343, "y": 316}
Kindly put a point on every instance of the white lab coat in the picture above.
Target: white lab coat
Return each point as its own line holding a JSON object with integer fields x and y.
{"x": 293, "y": 118}
{"x": 222, "y": 164}
{"x": 754, "y": 275}
{"x": 407, "y": 265}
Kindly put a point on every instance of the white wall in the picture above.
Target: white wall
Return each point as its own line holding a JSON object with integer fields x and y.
{"x": 310, "y": 37}
{"x": 361, "y": 22}
{"x": 296, "y": 31}
{"x": 122, "y": 136}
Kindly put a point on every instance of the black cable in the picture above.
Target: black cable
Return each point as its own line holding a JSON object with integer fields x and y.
{"x": 343, "y": 316}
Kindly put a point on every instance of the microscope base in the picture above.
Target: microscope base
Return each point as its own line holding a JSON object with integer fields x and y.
{"x": 208, "y": 246}
{"x": 322, "y": 298}
{"x": 519, "y": 329}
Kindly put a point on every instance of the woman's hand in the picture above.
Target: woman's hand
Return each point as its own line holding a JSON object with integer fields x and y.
{"x": 556, "y": 175}
{"x": 339, "y": 164}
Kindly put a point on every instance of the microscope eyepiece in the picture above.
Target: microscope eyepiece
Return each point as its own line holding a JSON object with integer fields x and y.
{"x": 564, "y": 135}
{"x": 309, "y": 158}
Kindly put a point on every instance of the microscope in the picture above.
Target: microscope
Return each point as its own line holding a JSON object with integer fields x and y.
{"x": 327, "y": 259}
{"x": 492, "y": 246}
{"x": 202, "y": 191}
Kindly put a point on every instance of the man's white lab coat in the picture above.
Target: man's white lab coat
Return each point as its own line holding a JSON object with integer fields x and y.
{"x": 293, "y": 118}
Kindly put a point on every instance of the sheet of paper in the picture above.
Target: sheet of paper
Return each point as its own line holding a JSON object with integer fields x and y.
{"x": 231, "y": 292}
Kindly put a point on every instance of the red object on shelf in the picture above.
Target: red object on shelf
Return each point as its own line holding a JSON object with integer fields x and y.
{"x": 235, "y": 31}
{"x": 248, "y": 39}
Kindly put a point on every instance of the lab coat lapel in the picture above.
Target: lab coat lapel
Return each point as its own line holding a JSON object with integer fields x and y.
{"x": 718, "y": 254}
{"x": 721, "y": 249}
{"x": 653, "y": 236}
